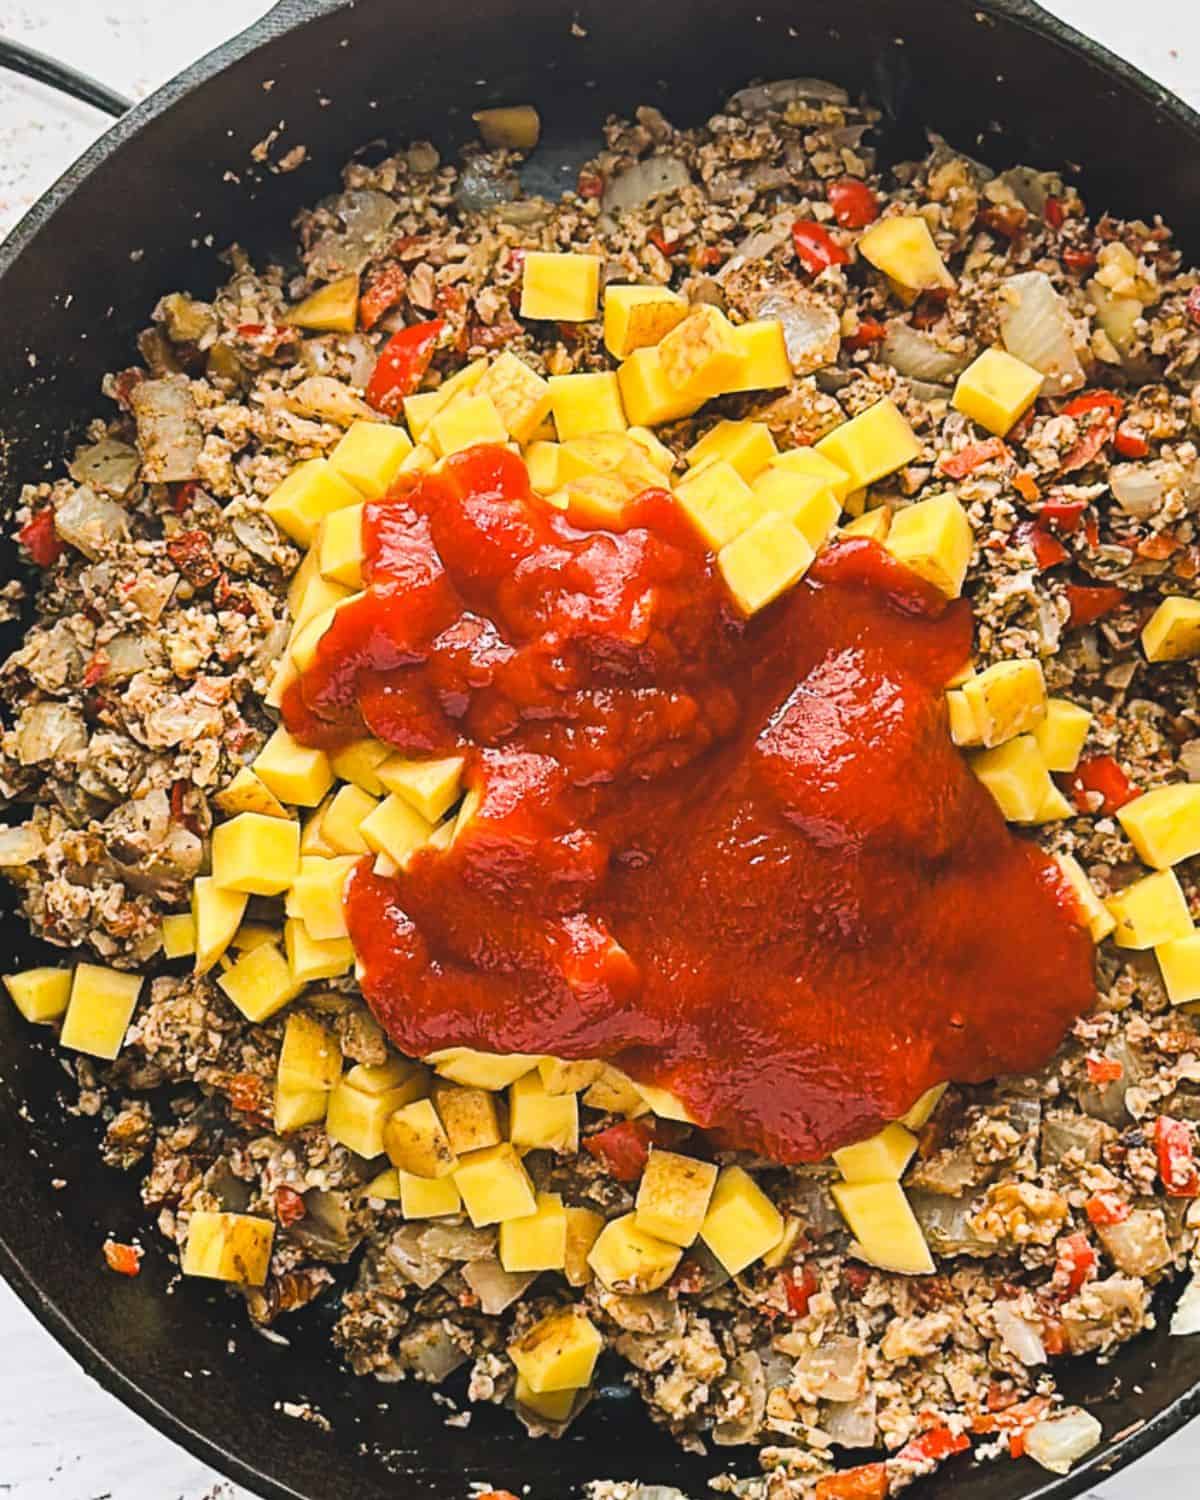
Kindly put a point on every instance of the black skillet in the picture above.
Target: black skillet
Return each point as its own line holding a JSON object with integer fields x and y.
{"x": 137, "y": 216}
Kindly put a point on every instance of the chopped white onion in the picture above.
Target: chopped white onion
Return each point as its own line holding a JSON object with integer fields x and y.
{"x": 1059, "y": 1441}
{"x": 1137, "y": 488}
{"x": 918, "y": 356}
{"x": 644, "y": 181}
{"x": 811, "y": 329}
{"x": 496, "y": 1288}
{"x": 1018, "y": 1336}
{"x": 1186, "y": 1318}
{"x": 1036, "y": 326}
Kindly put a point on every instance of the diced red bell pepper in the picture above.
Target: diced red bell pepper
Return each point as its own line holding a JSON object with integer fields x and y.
{"x": 967, "y": 460}
{"x": 289, "y": 1206}
{"x": 867, "y": 1482}
{"x": 1053, "y": 212}
{"x": 1047, "y": 550}
{"x": 385, "y": 288}
{"x": 1193, "y": 305}
{"x": 1101, "y": 774}
{"x": 869, "y": 331}
{"x": 1104, "y": 1209}
{"x": 661, "y": 243}
{"x": 589, "y": 185}
{"x": 1066, "y": 516}
{"x": 799, "y": 1290}
{"x": 1026, "y": 486}
{"x": 1104, "y": 1069}
{"x": 1098, "y": 433}
{"x": 1090, "y": 602}
{"x": 854, "y": 204}
{"x": 401, "y": 366}
{"x": 1159, "y": 546}
{"x": 1176, "y": 1158}
{"x": 40, "y": 539}
{"x": 623, "y": 1149}
{"x": 1015, "y": 1418}
{"x": 1129, "y": 442}
{"x": 934, "y": 1446}
{"x": 1005, "y": 219}
{"x": 1076, "y": 1263}
{"x": 1078, "y": 259}
{"x": 816, "y": 249}
{"x": 125, "y": 1260}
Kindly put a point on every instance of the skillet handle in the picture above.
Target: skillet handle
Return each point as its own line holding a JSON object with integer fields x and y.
{"x": 17, "y": 58}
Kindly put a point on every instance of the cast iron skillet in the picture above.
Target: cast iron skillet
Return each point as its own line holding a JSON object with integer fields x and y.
{"x": 137, "y": 216}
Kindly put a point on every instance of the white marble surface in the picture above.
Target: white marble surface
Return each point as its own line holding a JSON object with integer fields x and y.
{"x": 61, "y": 1437}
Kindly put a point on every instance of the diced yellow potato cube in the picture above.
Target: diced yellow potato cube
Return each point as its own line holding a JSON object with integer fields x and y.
{"x": 332, "y": 308}
{"x": 340, "y": 824}
{"x": 355, "y": 1117}
{"x": 874, "y": 524}
{"x": 255, "y": 854}
{"x": 481, "y": 1070}
{"x": 537, "y": 1242}
{"x": 782, "y": 1252}
{"x": 881, "y": 1158}
{"x": 495, "y": 1185}
{"x": 1016, "y": 776}
{"x": 763, "y": 362}
{"x": 430, "y": 787}
{"x": 1164, "y": 824}
{"x": 538, "y": 1120}
{"x": 764, "y": 562}
{"x": 1151, "y": 911}
{"x": 397, "y": 1076}
{"x": 1173, "y": 631}
{"x": 1008, "y": 698}
{"x": 260, "y": 982}
{"x": 1062, "y": 733}
{"x": 1179, "y": 963}
{"x": 310, "y": 959}
{"x": 448, "y": 832}
{"x": 40, "y": 994}
{"x": 807, "y": 502}
{"x": 560, "y": 288}
{"x": 309, "y": 594}
{"x": 903, "y": 249}
{"x": 469, "y": 1117}
{"x": 921, "y": 1112}
{"x": 559, "y": 1353}
{"x": 742, "y": 1223}
{"x": 934, "y": 539}
{"x": 310, "y": 491}
{"x": 673, "y": 1196}
{"x": 748, "y": 446}
{"x": 386, "y": 1187}
{"x": 1096, "y": 916}
{"x": 416, "y": 1141}
{"x": 359, "y": 761}
{"x": 469, "y": 419}
{"x": 228, "y": 1247}
{"x": 883, "y": 1223}
{"x": 583, "y": 1229}
{"x": 996, "y": 390}
{"x": 649, "y": 400}
{"x": 1054, "y": 807}
{"x": 99, "y": 1009}
{"x": 543, "y": 461}
{"x": 819, "y": 465}
{"x": 615, "y": 1093}
{"x": 518, "y": 393}
{"x": 316, "y": 895}
{"x": 254, "y": 935}
{"x": 875, "y": 443}
{"x": 665, "y": 1104}
{"x": 285, "y": 672}
{"x": 369, "y": 455}
{"x": 601, "y": 453}
{"x": 597, "y": 500}
{"x": 586, "y": 404}
{"x": 718, "y": 502}
{"x": 310, "y": 1057}
{"x": 419, "y": 411}
{"x": 312, "y": 834}
{"x": 179, "y": 935}
{"x": 551, "y": 1406}
{"x": 658, "y": 453}
{"x": 637, "y": 316}
{"x": 428, "y": 1197}
{"x": 296, "y": 773}
{"x": 560, "y": 1077}
{"x": 701, "y": 356}
{"x": 627, "y": 1259}
{"x": 396, "y": 829}
{"x": 339, "y": 547}
{"x": 964, "y": 727}
{"x": 517, "y": 127}
{"x": 246, "y": 793}
{"x": 420, "y": 460}
{"x": 296, "y": 1108}
{"x": 217, "y": 914}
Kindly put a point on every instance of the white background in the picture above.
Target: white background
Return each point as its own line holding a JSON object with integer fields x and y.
{"x": 61, "y": 1437}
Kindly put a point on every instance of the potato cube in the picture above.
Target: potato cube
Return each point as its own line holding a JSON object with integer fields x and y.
{"x": 1008, "y": 699}
{"x": 254, "y": 935}
{"x": 40, "y": 994}
{"x": 246, "y": 793}
{"x": 921, "y": 1112}
{"x": 1016, "y": 776}
{"x": 763, "y": 362}
{"x": 369, "y": 455}
{"x": 748, "y": 446}
{"x": 312, "y": 834}
{"x": 416, "y": 1141}
{"x": 283, "y": 675}
{"x": 358, "y": 762}
{"x": 468, "y": 1116}
{"x": 718, "y": 502}
{"x": 560, "y": 1077}
{"x": 560, "y": 288}
{"x": 700, "y": 357}
{"x": 356, "y": 1117}
{"x": 874, "y": 524}
{"x": 934, "y": 539}
{"x": 495, "y": 1185}
{"x": 179, "y": 935}
{"x": 1179, "y": 963}
{"x": 673, "y": 1196}
{"x": 1095, "y": 916}
{"x": 742, "y": 1223}
{"x": 401, "y": 1079}
{"x": 586, "y": 404}
{"x": 996, "y": 390}
{"x": 255, "y": 854}
{"x": 517, "y": 127}
{"x": 217, "y": 914}
{"x": 430, "y": 787}
{"x": 1173, "y": 631}
{"x": 310, "y": 1057}
{"x": 665, "y": 1104}
{"x": 310, "y": 491}
{"x": 420, "y": 461}
{"x": 558, "y": 1353}
{"x": 1151, "y": 911}
{"x": 648, "y": 398}
{"x": 228, "y": 1247}
{"x": 819, "y": 465}
{"x": 615, "y": 1093}
{"x": 764, "y": 562}
{"x": 903, "y": 249}
{"x": 550, "y": 1406}
{"x": 469, "y": 419}
{"x": 880, "y": 1158}
{"x": 628, "y": 1259}
{"x": 875, "y": 443}
{"x": 420, "y": 410}
{"x": 310, "y": 959}
{"x": 538, "y": 1120}
{"x": 339, "y": 547}
{"x": 658, "y": 453}
{"x": 518, "y": 393}
{"x": 583, "y": 1229}
{"x": 260, "y": 982}
{"x": 782, "y": 1252}
{"x": 385, "y": 1186}
{"x": 544, "y": 464}
{"x": 1061, "y": 734}
{"x": 883, "y": 1223}
{"x": 636, "y": 316}
{"x": 296, "y": 773}
{"x": 481, "y": 1070}
{"x": 340, "y": 826}
{"x": 1164, "y": 824}
{"x": 964, "y": 727}
{"x": 597, "y": 501}
{"x": 427, "y": 1197}
{"x": 310, "y": 594}
{"x": 1054, "y": 807}
{"x": 807, "y": 502}
{"x": 332, "y": 308}
{"x": 537, "y": 1242}
{"x": 396, "y": 829}
{"x": 297, "y": 1108}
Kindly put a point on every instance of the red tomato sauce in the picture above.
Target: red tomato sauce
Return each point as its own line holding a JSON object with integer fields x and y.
{"x": 741, "y": 859}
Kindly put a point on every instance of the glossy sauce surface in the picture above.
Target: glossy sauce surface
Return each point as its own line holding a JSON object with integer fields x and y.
{"x": 742, "y": 860}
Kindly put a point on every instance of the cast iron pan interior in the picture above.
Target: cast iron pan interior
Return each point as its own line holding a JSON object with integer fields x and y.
{"x": 140, "y": 215}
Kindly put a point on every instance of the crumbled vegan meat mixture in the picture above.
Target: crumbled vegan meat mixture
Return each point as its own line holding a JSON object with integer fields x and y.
{"x": 160, "y": 612}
